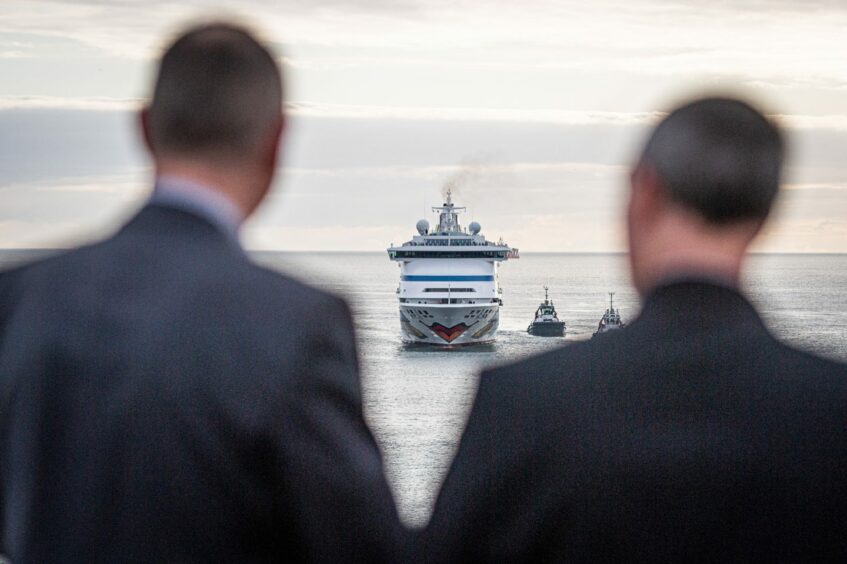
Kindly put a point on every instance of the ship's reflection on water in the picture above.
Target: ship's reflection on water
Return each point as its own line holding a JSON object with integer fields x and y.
{"x": 484, "y": 348}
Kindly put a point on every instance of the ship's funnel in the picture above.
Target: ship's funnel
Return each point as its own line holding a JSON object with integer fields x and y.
{"x": 422, "y": 227}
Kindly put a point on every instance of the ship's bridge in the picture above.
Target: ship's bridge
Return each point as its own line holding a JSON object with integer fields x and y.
{"x": 449, "y": 240}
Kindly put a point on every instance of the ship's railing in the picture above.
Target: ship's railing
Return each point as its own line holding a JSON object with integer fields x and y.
{"x": 450, "y": 301}
{"x": 477, "y": 254}
{"x": 451, "y": 243}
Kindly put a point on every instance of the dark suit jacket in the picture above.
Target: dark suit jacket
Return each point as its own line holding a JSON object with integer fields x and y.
{"x": 164, "y": 399}
{"x": 691, "y": 435}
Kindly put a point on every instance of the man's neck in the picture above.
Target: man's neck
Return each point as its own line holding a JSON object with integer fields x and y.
{"x": 199, "y": 199}
{"x": 228, "y": 181}
{"x": 684, "y": 247}
{"x": 696, "y": 264}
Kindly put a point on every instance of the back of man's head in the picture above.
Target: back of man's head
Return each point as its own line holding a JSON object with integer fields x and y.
{"x": 218, "y": 94}
{"x": 703, "y": 187}
{"x": 718, "y": 157}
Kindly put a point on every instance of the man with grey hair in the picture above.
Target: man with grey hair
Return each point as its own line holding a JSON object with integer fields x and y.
{"x": 691, "y": 435}
{"x": 162, "y": 397}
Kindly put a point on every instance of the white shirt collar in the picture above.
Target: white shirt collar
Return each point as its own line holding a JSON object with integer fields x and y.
{"x": 201, "y": 200}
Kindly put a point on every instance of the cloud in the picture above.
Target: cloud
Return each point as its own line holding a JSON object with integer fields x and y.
{"x": 534, "y": 206}
{"x": 836, "y": 122}
{"x": 813, "y": 122}
{"x": 817, "y": 186}
{"x": 611, "y": 56}
{"x": 139, "y": 29}
{"x": 66, "y": 103}
{"x": 384, "y": 167}
{"x": 40, "y": 144}
{"x": 549, "y": 116}
{"x": 549, "y": 98}
{"x": 438, "y": 173}
{"x": 646, "y": 36}
{"x": 259, "y": 236}
{"x": 68, "y": 211}
{"x": 803, "y": 236}
{"x": 13, "y": 54}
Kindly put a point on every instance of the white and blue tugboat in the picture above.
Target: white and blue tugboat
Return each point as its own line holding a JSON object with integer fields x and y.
{"x": 546, "y": 322}
{"x": 448, "y": 281}
{"x": 611, "y": 320}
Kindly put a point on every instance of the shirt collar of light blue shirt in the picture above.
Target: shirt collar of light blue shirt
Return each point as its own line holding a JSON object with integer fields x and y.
{"x": 199, "y": 199}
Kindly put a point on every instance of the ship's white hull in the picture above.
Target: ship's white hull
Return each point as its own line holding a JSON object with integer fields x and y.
{"x": 449, "y": 324}
{"x": 448, "y": 292}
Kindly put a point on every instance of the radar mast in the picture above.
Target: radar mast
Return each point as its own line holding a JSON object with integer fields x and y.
{"x": 448, "y": 215}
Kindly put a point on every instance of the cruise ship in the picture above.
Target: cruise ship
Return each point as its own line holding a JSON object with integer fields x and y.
{"x": 448, "y": 289}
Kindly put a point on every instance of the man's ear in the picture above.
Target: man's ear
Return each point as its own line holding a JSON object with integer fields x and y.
{"x": 144, "y": 123}
{"x": 270, "y": 151}
{"x": 274, "y": 147}
{"x": 647, "y": 194}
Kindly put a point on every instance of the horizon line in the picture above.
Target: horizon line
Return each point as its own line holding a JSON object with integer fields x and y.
{"x": 364, "y": 252}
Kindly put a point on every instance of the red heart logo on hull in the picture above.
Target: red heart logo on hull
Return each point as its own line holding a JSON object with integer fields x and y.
{"x": 449, "y": 334}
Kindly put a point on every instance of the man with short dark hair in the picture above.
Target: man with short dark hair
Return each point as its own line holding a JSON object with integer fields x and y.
{"x": 162, "y": 397}
{"x": 690, "y": 435}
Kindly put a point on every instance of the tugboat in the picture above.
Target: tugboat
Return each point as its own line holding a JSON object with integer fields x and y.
{"x": 611, "y": 320}
{"x": 546, "y": 323}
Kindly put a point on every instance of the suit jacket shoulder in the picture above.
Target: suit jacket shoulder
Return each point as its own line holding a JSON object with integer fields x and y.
{"x": 693, "y": 431}
{"x": 217, "y": 400}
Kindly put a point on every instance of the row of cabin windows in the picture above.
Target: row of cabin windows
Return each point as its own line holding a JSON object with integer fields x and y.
{"x": 449, "y": 290}
{"x": 451, "y": 241}
{"x": 448, "y": 254}
{"x": 447, "y": 301}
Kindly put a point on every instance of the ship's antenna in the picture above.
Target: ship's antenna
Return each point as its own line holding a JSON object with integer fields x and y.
{"x": 545, "y": 294}
{"x": 612, "y": 301}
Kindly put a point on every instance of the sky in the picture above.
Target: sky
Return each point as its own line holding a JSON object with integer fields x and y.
{"x": 539, "y": 106}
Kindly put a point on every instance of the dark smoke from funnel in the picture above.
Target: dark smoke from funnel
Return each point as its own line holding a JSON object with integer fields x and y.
{"x": 460, "y": 180}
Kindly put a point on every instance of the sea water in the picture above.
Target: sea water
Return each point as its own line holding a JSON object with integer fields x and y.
{"x": 417, "y": 398}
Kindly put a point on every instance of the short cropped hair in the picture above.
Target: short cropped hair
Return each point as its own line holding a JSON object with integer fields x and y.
{"x": 719, "y": 157}
{"x": 218, "y": 92}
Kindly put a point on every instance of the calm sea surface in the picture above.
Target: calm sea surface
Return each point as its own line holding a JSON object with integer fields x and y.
{"x": 417, "y": 399}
